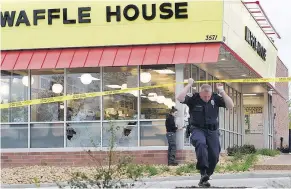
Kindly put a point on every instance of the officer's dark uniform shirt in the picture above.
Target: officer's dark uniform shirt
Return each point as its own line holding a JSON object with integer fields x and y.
{"x": 170, "y": 124}
{"x": 202, "y": 113}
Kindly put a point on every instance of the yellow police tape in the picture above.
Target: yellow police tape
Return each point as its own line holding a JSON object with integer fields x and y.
{"x": 95, "y": 94}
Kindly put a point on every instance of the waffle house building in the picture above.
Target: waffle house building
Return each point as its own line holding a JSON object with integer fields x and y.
{"x": 51, "y": 49}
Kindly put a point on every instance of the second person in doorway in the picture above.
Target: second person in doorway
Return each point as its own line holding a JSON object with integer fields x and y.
{"x": 171, "y": 128}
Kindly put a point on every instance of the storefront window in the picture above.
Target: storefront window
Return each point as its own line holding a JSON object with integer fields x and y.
{"x": 202, "y": 76}
{"x": 152, "y": 133}
{"x": 45, "y": 84}
{"x": 231, "y": 116}
{"x": 120, "y": 106}
{"x": 79, "y": 81}
{"x": 49, "y": 135}
{"x": 226, "y": 122}
{"x": 14, "y": 87}
{"x": 156, "y": 103}
{"x": 14, "y": 136}
{"x": 222, "y": 123}
{"x": 221, "y": 118}
{"x": 221, "y": 138}
{"x": 187, "y": 73}
{"x": 83, "y": 134}
{"x": 226, "y": 140}
{"x": 235, "y": 116}
{"x": 210, "y": 78}
{"x": 195, "y": 74}
{"x": 240, "y": 126}
{"x": 120, "y": 134}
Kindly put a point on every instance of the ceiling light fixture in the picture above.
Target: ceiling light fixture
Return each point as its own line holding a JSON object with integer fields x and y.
{"x": 4, "y": 89}
{"x": 145, "y": 77}
{"x": 249, "y": 94}
{"x": 114, "y": 86}
{"x": 25, "y": 81}
{"x": 166, "y": 71}
{"x": 57, "y": 88}
{"x": 87, "y": 78}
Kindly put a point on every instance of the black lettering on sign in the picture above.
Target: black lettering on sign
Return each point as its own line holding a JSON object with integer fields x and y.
{"x": 153, "y": 12}
{"x": 179, "y": 10}
{"x": 84, "y": 17}
{"x": 135, "y": 14}
{"x": 149, "y": 12}
{"x": 51, "y": 16}
{"x": 7, "y": 18}
{"x": 256, "y": 45}
{"x": 37, "y": 17}
{"x": 166, "y": 8}
{"x": 211, "y": 37}
{"x": 109, "y": 13}
{"x": 65, "y": 17}
{"x": 130, "y": 12}
{"x": 22, "y": 19}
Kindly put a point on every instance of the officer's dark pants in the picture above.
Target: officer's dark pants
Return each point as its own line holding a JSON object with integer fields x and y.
{"x": 207, "y": 148}
{"x": 171, "y": 137}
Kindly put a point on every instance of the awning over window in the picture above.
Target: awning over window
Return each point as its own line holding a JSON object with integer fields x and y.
{"x": 110, "y": 56}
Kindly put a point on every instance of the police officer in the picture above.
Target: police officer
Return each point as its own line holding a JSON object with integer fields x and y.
{"x": 203, "y": 110}
{"x": 171, "y": 128}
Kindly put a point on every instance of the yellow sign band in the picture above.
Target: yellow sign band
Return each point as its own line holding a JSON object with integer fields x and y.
{"x": 95, "y": 94}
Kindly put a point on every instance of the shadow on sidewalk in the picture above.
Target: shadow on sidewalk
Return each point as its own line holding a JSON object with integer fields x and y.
{"x": 210, "y": 187}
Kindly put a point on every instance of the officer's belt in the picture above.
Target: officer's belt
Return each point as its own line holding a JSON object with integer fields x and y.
{"x": 212, "y": 127}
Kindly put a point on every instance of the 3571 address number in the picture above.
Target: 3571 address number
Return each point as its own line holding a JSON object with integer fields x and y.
{"x": 211, "y": 37}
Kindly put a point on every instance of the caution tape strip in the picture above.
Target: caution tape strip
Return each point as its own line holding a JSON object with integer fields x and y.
{"x": 95, "y": 94}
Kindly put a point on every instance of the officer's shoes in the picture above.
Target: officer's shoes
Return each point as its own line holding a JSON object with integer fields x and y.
{"x": 205, "y": 184}
{"x": 204, "y": 181}
{"x": 173, "y": 164}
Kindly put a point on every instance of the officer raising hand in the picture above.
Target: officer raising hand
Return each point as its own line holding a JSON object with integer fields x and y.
{"x": 204, "y": 127}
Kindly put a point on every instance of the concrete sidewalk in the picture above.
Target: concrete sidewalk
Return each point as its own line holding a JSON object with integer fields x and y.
{"x": 256, "y": 179}
{"x": 281, "y": 162}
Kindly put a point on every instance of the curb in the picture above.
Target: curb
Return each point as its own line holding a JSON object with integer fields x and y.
{"x": 223, "y": 176}
{"x": 273, "y": 167}
{"x": 173, "y": 178}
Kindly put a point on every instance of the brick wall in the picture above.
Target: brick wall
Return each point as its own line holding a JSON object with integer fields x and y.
{"x": 282, "y": 71}
{"x": 281, "y": 110}
{"x": 281, "y": 121}
{"x": 86, "y": 158}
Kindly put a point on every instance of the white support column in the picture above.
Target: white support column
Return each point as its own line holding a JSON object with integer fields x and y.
{"x": 242, "y": 120}
{"x": 266, "y": 120}
{"x": 180, "y": 119}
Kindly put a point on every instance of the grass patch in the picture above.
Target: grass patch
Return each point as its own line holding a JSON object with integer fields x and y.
{"x": 152, "y": 170}
{"x": 187, "y": 168}
{"x": 245, "y": 149}
{"x": 218, "y": 168}
{"x": 238, "y": 163}
{"x": 134, "y": 171}
{"x": 237, "y": 157}
{"x": 239, "y": 160}
{"x": 242, "y": 158}
{"x": 165, "y": 169}
{"x": 250, "y": 160}
{"x": 268, "y": 152}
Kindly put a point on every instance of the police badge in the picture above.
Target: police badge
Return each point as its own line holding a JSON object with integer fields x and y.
{"x": 212, "y": 103}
